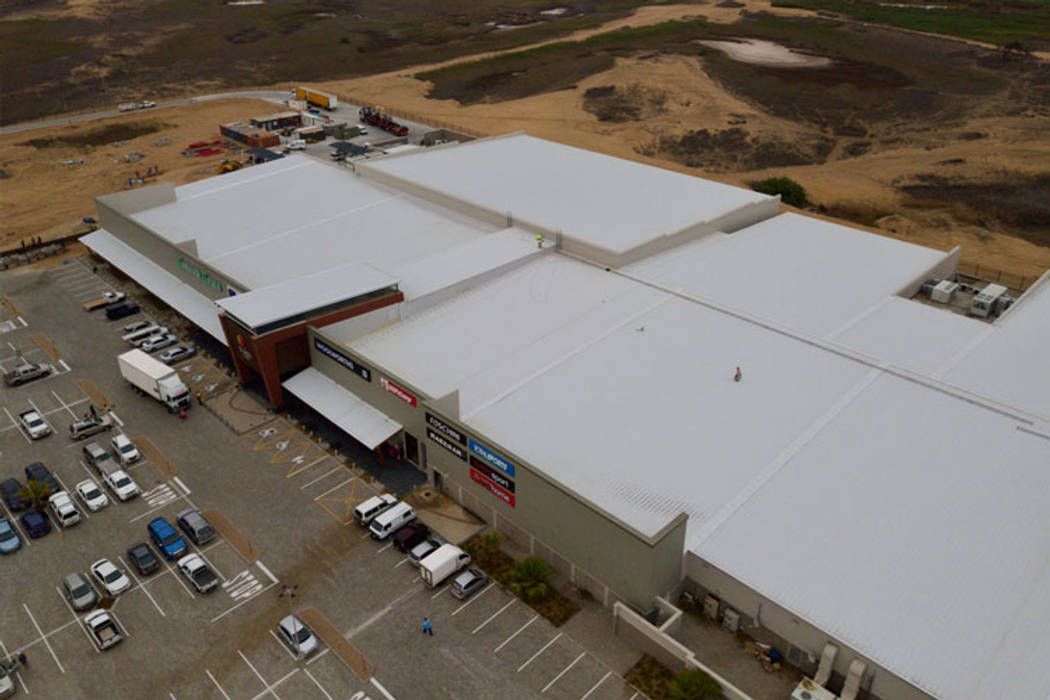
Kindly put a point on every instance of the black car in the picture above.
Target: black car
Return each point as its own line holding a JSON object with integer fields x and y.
{"x": 42, "y": 475}
{"x": 410, "y": 535}
{"x": 143, "y": 558}
{"x": 35, "y": 523}
{"x": 121, "y": 309}
{"x": 12, "y": 490}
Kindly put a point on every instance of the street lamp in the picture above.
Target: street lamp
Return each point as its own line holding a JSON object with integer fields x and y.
{"x": 289, "y": 592}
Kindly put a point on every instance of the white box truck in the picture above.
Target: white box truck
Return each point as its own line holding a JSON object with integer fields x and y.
{"x": 442, "y": 563}
{"x": 151, "y": 376}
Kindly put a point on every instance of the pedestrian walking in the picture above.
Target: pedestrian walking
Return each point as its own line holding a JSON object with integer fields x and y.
{"x": 426, "y": 627}
{"x": 22, "y": 660}
{"x": 738, "y": 376}
{"x": 200, "y": 401}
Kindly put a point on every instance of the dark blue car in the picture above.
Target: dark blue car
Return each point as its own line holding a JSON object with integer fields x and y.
{"x": 168, "y": 541}
{"x": 35, "y": 523}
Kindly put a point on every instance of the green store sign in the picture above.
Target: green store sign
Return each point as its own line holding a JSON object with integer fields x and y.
{"x": 200, "y": 274}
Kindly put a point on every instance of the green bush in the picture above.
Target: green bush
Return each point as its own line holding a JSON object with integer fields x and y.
{"x": 530, "y": 577}
{"x": 694, "y": 684}
{"x": 790, "y": 191}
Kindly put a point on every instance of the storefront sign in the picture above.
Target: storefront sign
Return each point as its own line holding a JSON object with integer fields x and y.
{"x": 479, "y": 478}
{"x": 445, "y": 429}
{"x": 491, "y": 458}
{"x": 397, "y": 391}
{"x": 496, "y": 477}
{"x": 355, "y": 367}
{"x": 200, "y": 274}
{"x": 451, "y": 447}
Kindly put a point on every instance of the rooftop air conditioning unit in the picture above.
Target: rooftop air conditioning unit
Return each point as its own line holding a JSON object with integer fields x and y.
{"x": 928, "y": 285}
{"x": 944, "y": 291}
{"x": 985, "y": 302}
{"x": 711, "y": 607}
{"x": 731, "y": 620}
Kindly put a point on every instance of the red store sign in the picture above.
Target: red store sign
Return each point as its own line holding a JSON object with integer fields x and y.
{"x": 495, "y": 490}
{"x": 397, "y": 391}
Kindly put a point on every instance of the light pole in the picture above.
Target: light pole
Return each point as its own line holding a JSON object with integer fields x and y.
{"x": 289, "y": 592}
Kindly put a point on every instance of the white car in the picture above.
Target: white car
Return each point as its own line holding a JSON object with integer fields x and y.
{"x": 147, "y": 104}
{"x": 297, "y": 636}
{"x": 156, "y": 342}
{"x": 112, "y": 579}
{"x": 296, "y": 145}
{"x": 114, "y": 297}
{"x": 125, "y": 449}
{"x": 36, "y": 426}
{"x": 63, "y": 509}
{"x": 121, "y": 484}
{"x": 198, "y": 572}
{"x": 92, "y": 496}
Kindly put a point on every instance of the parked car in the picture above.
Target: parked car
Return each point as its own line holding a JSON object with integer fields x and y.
{"x": 12, "y": 490}
{"x": 90, "y": 425}
{"x": 125, "y": 449}
{"x": 7, "y": 685}
{"x": 147, "y": 104}
{"x": 26, "y": 372}
{"x": 410, "y": 535}
{"x": 366, "y": 511}
{"x": 34, "y": 424}
{"x": 9, "y": 540}
{"x": 121, "y": 310}
{"x": 296, "y": 145}
{"x": 42, "y": 475}
{"x": 121, "y": 484}
{"x": 104, "y": 630}
{"x": 91, "y": 495}
{"x": 63, "y": 509}
{"x": 198, "y": 572}
{"x": 35, "y": 523}
{"x": 297, "y": 635}
{"x": 112, "y": 579}
{"x": 195, "y": 526}
{"x": 421, "y": 550}
{"x": 468, "y": 583}
{"x": 81, "y": 595}
{"x": 143, "y": 558}
{"x": 156, "y": 342}
{"x": 167, "y": 540}
{"x": 177, "y": 354}
{"x": 135, "y": 326}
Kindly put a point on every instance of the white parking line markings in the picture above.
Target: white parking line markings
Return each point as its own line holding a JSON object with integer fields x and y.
{"x": 185, "y": 489}
{"x": 64, "y": 404}
{"x": 595, "y": 686}
{"x": 380, "y": 688}
{"x": 439, "y": 592}
{"x": 404, "y": 560}
{"x": 542, "y": 649}
{"x": 141, "y": 585}
{"x": 266, "y": 571}
{"x": 464, "y": 606}
{"x": 18, "y": 675}
{"x": 383, "y": 549}
{"x": 221, "y": 690}
{"x": 319, "y": 686}
{"x": 282, "y": 645}
{"x": 17, "y": 426}
{"x": 326, "y": 474}
{"x": 494, "y": 616}
{"x": 41, "y": 633}
{"x": 65, "y": 366}
{"x": 117, "y": 419}
{"x": 563, "y": 672}
{"x": 74, "y": 614}
{"x": 160, "y": 495}
{"x": 242, "y": 586}
{"x": 268, "y": 688}
{"x": 243, "y": 602}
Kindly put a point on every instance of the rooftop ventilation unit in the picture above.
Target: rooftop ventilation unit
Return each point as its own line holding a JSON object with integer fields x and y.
{"x": 987, "y": 301}
{"x": 711, "y": 607}
{"x": 731, "y": 620}
{"x": 944, "y": 291}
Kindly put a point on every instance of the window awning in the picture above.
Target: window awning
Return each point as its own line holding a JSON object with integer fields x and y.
{"x": 166, "y": 286}
{"x": 368, "y": 425}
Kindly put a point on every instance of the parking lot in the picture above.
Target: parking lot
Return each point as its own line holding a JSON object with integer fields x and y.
{"x": 289, "y": 503}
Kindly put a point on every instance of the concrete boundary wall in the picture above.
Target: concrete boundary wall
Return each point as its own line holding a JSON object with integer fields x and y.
{"x": 659, "y": 644}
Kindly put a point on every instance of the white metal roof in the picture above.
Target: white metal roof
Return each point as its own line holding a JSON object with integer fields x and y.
{"x": 368, "y": 425}
{"x": 169, "y": 288}
{"x": 304, "y": 294}
{"x": 296, "y": 216}
{"x": 911, "y": 525}
{"x": 1011, "y": 363}
{"x": 611, "y": 203}
{"x": 796, "y": 271}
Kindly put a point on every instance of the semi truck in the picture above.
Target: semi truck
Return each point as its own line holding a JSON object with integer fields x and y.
{"x": 151, "y": 376}
{"x": 316, "y": 97}
{"x": 442, "y": 563}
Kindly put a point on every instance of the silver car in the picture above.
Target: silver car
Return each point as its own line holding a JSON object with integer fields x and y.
{"x": 156, "y": 342}
{"x": 177, "y": 354}
{"x": 297, "y": 636}
{"x": 81, "y": 595}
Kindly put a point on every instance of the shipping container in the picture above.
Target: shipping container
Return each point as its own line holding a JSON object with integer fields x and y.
{"x": 316, "y": 97}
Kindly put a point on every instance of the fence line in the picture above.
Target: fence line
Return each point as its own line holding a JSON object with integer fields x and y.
{"x": 1014, "y": 281}
{"x": 415, "y": 117}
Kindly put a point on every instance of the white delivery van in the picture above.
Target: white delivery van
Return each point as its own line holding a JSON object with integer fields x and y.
{"x": 390, "y": 520}
{"x": 442, "y": 563}
{"x": 367, "y": 511}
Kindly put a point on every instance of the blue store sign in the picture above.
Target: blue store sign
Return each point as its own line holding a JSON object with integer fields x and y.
{"x": 491, "y": 458}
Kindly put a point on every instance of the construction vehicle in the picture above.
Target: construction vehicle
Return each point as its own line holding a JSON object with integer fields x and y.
{"x": 228, "y": 166}
{"x": 376, "y": 117}
{"x": 316, "y": 97}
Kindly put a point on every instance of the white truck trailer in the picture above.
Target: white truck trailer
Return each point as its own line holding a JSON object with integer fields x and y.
{"x": 442, "y": 563}
{"x": 151, "y": 376}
